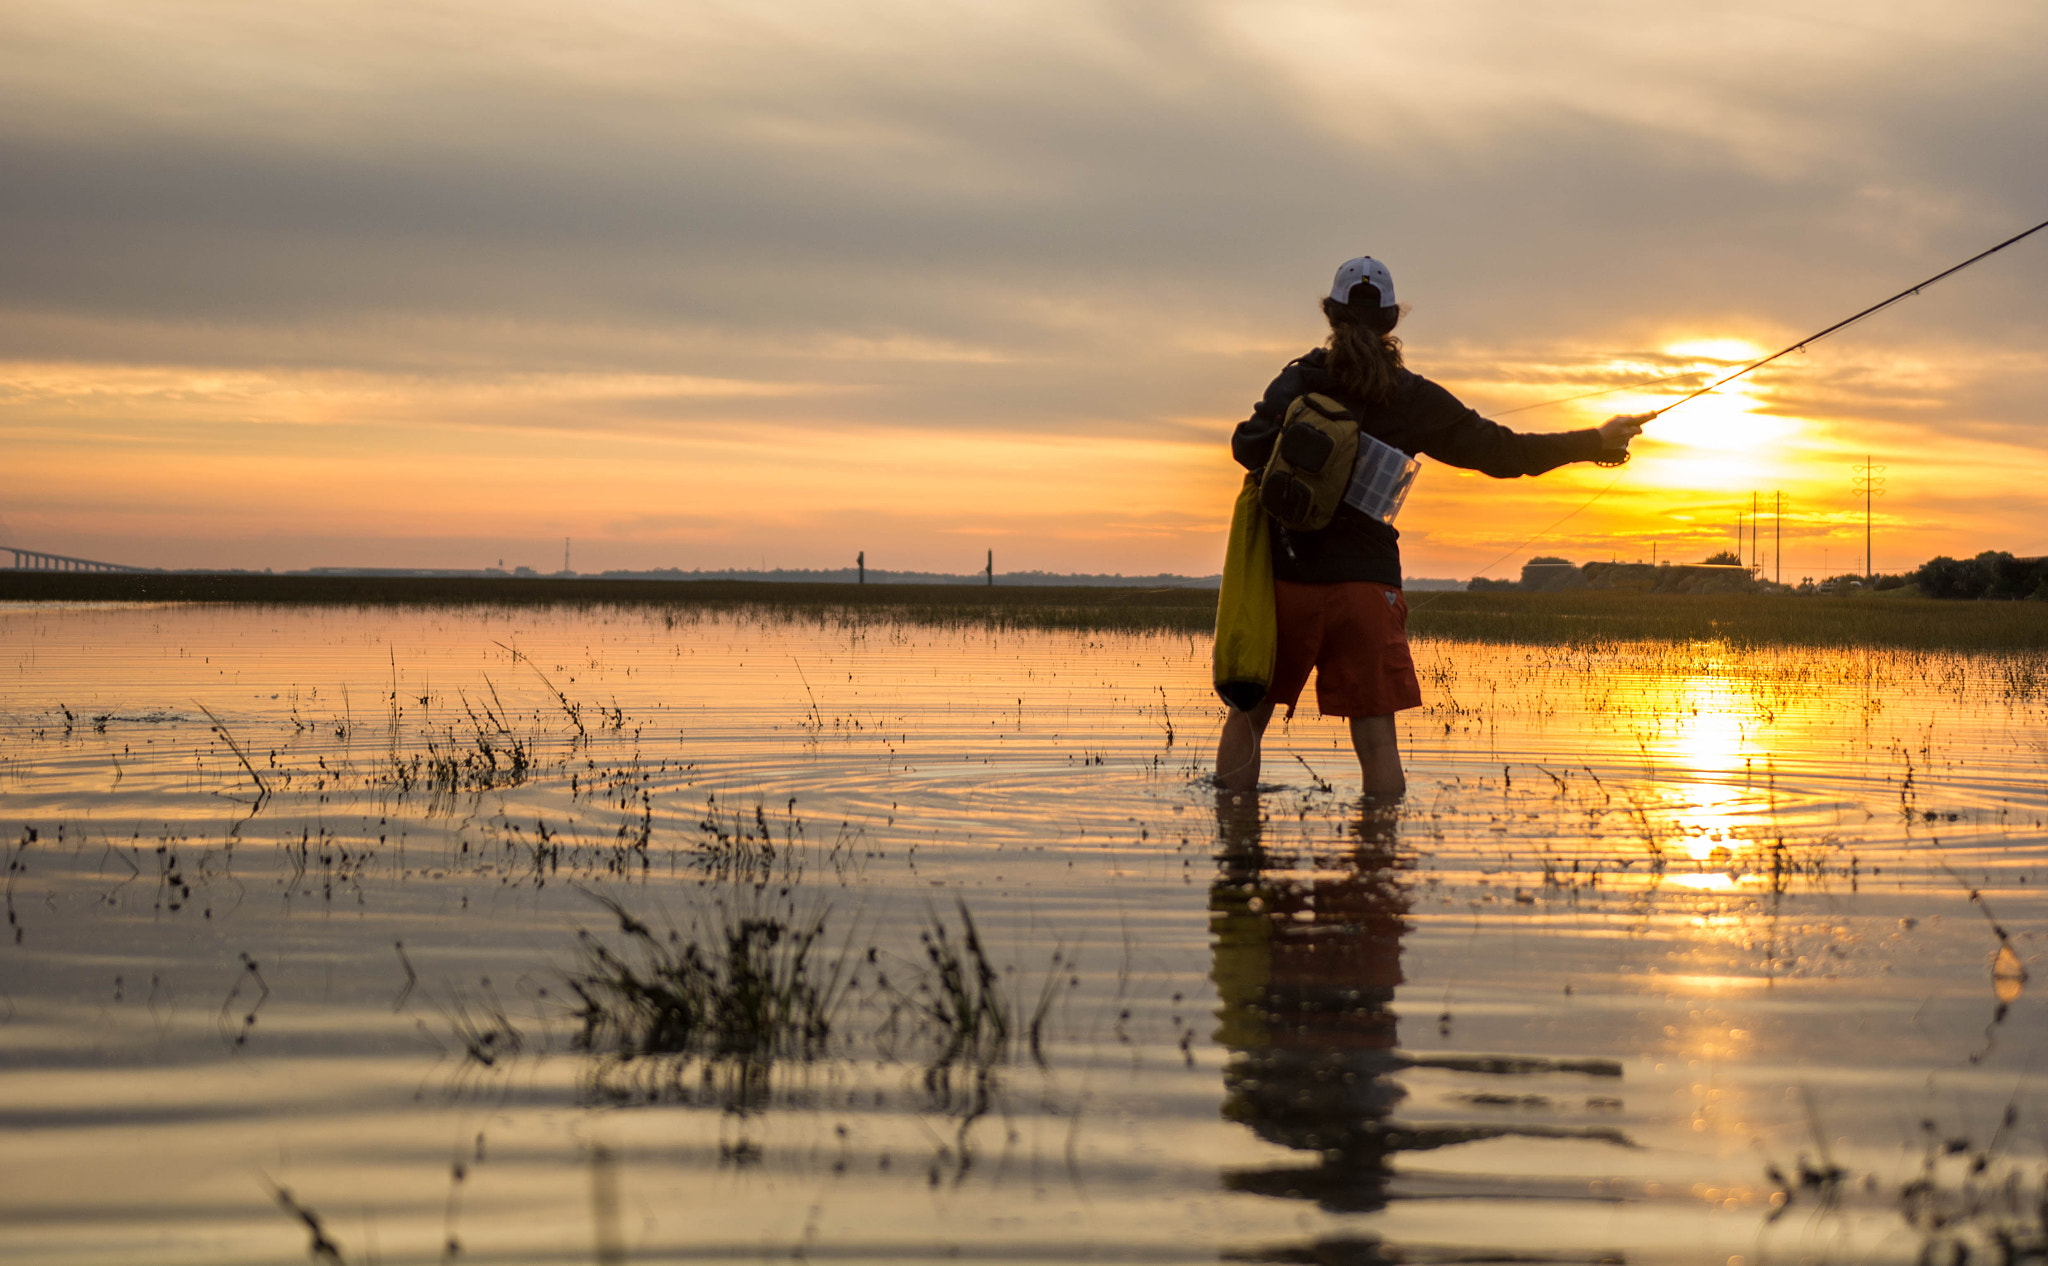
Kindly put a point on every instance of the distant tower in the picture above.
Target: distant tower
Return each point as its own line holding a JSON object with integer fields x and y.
{"x": 1755, "y": 548}
{"x": 1778, "y": 540}
{"x": 860, "y": 561}
{"x": 1870, "y": 484}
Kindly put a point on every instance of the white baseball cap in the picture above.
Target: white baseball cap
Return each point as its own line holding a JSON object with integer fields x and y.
{"x": 1364, "y": 268}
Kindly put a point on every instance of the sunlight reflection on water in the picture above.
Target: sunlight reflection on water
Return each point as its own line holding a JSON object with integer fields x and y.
{"x": 1656, "y": 927}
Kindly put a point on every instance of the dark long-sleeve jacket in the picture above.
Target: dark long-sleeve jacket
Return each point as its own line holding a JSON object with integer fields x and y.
{"x": 1423, "y": 419}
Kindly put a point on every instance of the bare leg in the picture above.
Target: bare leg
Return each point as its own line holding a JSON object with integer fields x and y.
{"x": 1379, "y": 755}
{"x": 1237, "y": 752}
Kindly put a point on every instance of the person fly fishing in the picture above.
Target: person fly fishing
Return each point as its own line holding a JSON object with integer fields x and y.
{"x": 1330, "y": 450}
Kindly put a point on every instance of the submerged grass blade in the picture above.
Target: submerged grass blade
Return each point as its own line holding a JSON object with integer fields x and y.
{"x": 220, "y": 728}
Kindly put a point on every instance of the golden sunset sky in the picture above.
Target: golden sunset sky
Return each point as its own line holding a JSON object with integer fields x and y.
{"x": 731, "y": 285}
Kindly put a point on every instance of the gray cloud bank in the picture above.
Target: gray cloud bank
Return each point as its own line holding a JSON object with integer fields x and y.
{"x": 1060, "y": 216}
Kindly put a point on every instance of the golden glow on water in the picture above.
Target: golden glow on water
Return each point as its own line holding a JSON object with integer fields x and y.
{"x": 1702, "y": 757}
{"x": 1707, "y": 984}
{"x": 1584, "y": 879}
{"x": 1704, "y": 881}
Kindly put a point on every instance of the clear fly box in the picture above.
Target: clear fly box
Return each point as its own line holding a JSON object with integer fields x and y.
{"x": 1381, "y": 479}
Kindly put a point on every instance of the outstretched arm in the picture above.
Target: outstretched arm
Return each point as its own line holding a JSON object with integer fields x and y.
{"x": 1457, "y": 436}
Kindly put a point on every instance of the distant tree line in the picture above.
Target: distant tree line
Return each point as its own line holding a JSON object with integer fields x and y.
{"x": 1993, "y": 575}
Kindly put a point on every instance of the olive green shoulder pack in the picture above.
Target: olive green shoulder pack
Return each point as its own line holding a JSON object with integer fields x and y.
{"x": 1305, "y": 478}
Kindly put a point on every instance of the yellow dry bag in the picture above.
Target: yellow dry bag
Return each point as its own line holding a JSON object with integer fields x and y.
{"x": 1247, "y": 632}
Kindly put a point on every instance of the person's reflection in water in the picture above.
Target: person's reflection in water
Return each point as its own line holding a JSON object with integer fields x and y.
{"x": 1306, "y": 965}
{"x": 1307, "y": 959}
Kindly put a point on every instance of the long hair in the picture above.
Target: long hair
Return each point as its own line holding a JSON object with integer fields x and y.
{"x": 1365, "y": 357}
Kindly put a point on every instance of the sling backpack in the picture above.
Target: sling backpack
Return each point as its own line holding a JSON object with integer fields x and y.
{"x": 1305, "y": 478}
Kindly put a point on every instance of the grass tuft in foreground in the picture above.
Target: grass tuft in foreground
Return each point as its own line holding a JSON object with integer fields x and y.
{"x": 1977, "y": 1203}
{"x": 755, "y": 984}
{"x": 961, "y": 998}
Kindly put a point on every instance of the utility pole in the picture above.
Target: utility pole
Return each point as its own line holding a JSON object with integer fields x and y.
{"x": 1755, "y": 563}
{"x": 860, "y": 561}
{"x": 991, "y": 569}
{"x": 1778, "y": 540}
{"x": 1871, "y": 485}
{"x": 565, "y": 555}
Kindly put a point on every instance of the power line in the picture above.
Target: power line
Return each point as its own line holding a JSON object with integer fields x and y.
{"x": 1604, "y": 391}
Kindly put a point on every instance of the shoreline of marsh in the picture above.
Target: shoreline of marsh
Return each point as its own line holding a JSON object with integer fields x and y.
{"x": 1535, "y": 619}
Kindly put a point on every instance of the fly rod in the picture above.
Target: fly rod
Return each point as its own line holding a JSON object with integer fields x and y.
{"x": 1872, "y": 310}
{"x": 1810, "y": 339}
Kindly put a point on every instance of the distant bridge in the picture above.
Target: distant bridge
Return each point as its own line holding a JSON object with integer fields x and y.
{"x": 36, "y": 560}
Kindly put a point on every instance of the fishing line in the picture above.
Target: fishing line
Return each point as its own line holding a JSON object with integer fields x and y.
{"x": 1810, "y": 339}
{"x": 1604, "y": 391}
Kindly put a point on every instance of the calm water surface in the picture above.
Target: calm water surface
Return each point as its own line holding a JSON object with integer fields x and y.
{"x": 1672, "y": 954}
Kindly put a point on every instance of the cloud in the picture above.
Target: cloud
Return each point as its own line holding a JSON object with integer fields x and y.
{"x": 970, "y": 171}
{"x": 1076, "y": 219}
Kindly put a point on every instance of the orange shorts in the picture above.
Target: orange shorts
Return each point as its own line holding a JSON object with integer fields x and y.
{"x": 1355, "y": 635}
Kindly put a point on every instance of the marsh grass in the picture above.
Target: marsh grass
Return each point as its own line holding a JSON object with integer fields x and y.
{"x": 961, "y": 997}
{"x": 1970, "y": 1201}
{"x": 1579, "y": 617}
{"x": 753, "y": 982}
{"x": 492, "y": 755}
{"x": 1021, "y": 606}
{"x": 738, "y": 846}
{"x": 570, "y": 708}
{"x": 957, "y": 1008}
{"x": 321, "y": 1247}
{"x": 1741, "y": 620}
{"x": 1973, "y": 1203}
{"x": 481, "y": 1027}
{"x": 220, "y": 728}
